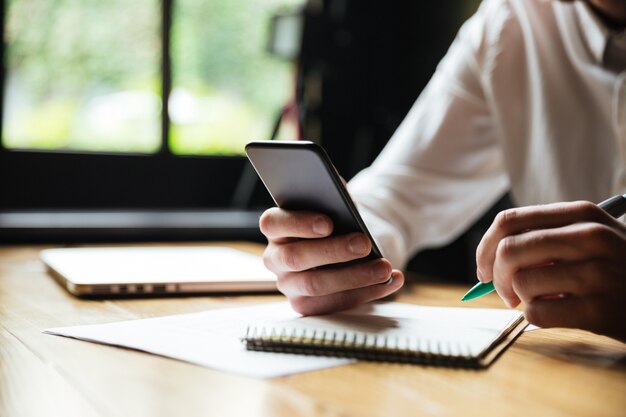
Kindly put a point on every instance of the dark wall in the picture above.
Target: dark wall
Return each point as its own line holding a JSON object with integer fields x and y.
{"x": 365, "y": 63}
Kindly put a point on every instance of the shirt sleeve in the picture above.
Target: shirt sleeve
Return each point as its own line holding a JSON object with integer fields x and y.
{"x": 443, "y": 167}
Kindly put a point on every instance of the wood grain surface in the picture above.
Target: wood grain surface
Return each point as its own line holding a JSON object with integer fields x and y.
{"x": 551, "y": 372}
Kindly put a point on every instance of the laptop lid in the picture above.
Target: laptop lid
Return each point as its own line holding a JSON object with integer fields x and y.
{"x": 123, "y": 271}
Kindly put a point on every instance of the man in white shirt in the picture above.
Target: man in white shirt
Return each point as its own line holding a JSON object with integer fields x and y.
{"x": 531, "y": 98}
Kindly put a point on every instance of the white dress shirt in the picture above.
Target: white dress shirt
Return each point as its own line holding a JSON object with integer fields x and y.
{"x": 531, "y": 98}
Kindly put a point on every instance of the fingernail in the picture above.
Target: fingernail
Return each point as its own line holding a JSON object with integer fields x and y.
{"x": 357, "y": 245}
{"x": 381, "y": 271}
{"x": 321, "y": 227}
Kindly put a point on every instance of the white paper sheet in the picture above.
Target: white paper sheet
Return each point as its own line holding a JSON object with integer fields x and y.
{"x": 213, "y": 338}
{"x": 210, "y": 338}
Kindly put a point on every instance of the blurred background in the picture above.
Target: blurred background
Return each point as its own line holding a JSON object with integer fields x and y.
{"x": 87, "y": 76}
{"x": 131, "y": 108}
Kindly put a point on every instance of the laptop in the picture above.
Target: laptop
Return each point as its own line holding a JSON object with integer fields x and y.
{"x": 135, "y": 271}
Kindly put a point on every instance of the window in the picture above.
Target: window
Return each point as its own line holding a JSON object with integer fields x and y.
{"x": 226, "y": 89}
{"x": 82, "y": 75}
{"x": 118, "y": 94}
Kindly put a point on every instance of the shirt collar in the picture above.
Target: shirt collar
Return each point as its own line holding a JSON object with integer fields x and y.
{"x": 594, "y": 32}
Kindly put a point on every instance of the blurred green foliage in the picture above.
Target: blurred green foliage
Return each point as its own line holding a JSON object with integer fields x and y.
{"x": 85, "y": 75}
{"x": 219, "y": 56}
{"x": 69, "y": 45}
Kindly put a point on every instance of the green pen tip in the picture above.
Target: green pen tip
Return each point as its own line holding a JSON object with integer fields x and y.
{"x": 478, "y": 290}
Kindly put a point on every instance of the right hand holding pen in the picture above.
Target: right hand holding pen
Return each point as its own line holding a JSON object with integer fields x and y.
{"x": 299, "y": 242}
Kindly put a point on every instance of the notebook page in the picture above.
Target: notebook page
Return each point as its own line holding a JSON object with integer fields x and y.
{"x": 436, "y": 330}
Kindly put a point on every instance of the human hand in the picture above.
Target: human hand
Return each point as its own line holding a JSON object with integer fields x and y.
{"x": 299, "y": 243}
{"x": 565, "y": 261}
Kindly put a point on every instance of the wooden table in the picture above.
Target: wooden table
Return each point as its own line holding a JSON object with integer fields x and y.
{"x": 545, "y": 373}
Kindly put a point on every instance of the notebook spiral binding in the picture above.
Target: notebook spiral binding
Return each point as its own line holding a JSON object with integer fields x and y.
{"x": 383, "y": 348}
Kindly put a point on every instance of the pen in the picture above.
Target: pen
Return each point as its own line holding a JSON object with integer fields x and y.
{"x": 615, "y": 206}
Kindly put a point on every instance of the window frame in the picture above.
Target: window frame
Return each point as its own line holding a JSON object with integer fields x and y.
{"x": 41, "y": 179}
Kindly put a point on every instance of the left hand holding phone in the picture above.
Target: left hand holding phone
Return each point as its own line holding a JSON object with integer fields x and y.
{"x": 299, "y": 243}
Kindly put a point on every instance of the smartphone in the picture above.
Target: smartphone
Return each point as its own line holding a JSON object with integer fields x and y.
{"x": 300, "y": 176}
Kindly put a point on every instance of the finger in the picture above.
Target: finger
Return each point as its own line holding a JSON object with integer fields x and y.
{"x": 347, "y": 299}
{"x": 311, "y": 253}
{"x": 540, "y": 247}
{"x": 518, "y": 220}
{"x": 278, "y": 224}
{"x": 563, "y": 312}
{"x": 571, "y": 278}
{"x": 325, "y": 281}
{"x": 527, "y": 251}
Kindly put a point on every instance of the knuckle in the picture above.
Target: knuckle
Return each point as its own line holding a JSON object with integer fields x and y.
{"x": 506, "y": 217}
{"x": 599, "y": 235}
{"x": 290, "y": 258}
{"x": 294, "y": 222}
{"x": 280, "y": 284}
{"x": 267, "y": 260}
{"x": 343, "y": 301}
{"x": 308, "y": 284}
{"x": 333, "y": 250}
{"x": 522, "y": 284}
{"x": 587, "y": 209}
{"x": 599, "y": 275}
{"x": 506, "y": 247}
{"x": 584, "y": 276}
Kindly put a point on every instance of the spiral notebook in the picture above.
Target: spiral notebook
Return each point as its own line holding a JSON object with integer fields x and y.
{"x": 395, "y": 332}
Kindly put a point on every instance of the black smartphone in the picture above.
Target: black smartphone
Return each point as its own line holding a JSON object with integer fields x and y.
{"x": 300, "y": 176}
